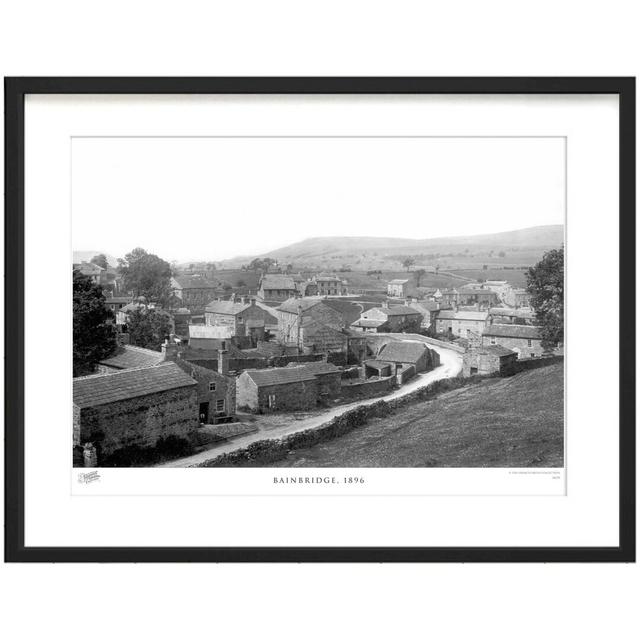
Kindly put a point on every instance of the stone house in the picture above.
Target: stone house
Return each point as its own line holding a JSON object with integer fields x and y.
{"x": 471, "y": 295}
{"x": 510, "y": 315}
{"x": 401, "y": 288}
{"x": 195, "y": 292}
{"x": 330, "y": 285}
{"x": 416, "y": 354}
{"x": 329, "y": 379}
{"x": 242, "y": 319}
{"x": 301, "y": 320}
{"x": 485, "y": 360}
{"x": 525, "y": 340}
{"x": 90, "y": 270}
{"x": 387, "y": 318}
{"x": 277, "y": 287}
{"x": 216, "y": 391}
{"x": 277, "y": 389}
{"x": 134, "y": 407}
{"x": 461, "y": 323}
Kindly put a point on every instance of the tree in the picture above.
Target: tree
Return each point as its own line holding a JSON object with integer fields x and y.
{"x": 407, "y": 263}
{"x": 545, "y": 283}
{"x": 419, "y": 274}
{"x": 502, "y": 254}
{"x": 94, "y": 334}
{"x": 145, "y": 274}
{"x": 100, "y": 260}
{"x": 148, "y": 328}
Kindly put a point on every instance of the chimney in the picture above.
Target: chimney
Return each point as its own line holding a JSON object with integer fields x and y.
{"x": 253, "y": 302}
{"x": 223, "y": 361}
{"x": 385, "y": 304}
{"x": 170, "y": 351}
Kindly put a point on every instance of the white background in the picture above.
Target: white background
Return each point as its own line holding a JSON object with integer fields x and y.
{"x": 332, "y": 38}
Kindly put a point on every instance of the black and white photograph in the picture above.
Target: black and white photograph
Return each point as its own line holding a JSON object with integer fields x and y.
{"x": 318, "y": 301}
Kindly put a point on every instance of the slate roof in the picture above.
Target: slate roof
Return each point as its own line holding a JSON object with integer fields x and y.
{"x": 462, "y": 315}
{"x": 512, "y": 331}
{"x": 398, "y": 281}
{"x": 399, "y": 310}
{"x": 118, "y": 299}
{"x": 496, "y": 350}
{"x": 89, "y": 268}
{"x": 279, "y": 375}
{"x": 326, "y": 277}
{"x": 278, "y": 282}
{"x": 293, "y": 305}
{"x": 402, "y": 352}
{"x": 130, "y": 357}
{"x": 350, "y": 311}
{"x": 226, "y": 307}
{"x": 97, "y": 390}
{"x": 321, "y": 368}
{"x": 367, "y": 323}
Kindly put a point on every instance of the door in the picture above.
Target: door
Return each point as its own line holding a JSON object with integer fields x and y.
{"x": 204, "y": 413}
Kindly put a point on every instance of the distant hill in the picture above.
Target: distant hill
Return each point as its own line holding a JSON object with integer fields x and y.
{"x": 369, "y": 252}
{"x": 85, "y": 256}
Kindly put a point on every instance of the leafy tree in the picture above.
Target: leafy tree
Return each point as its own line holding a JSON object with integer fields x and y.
{"x": 94, "y": 334}
{"x": 100, "y": 260}
{"x": 145, "y": 274}
{"x": 419, "y": 274}
{"x": 148, "y": 328}
{"x": 545, "y": 283}
{"x": 407, "y": 263}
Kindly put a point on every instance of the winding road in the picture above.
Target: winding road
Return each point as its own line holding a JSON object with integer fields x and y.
{"x": 450, "y": 366}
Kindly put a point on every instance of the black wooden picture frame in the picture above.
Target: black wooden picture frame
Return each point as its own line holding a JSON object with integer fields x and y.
{"x": 15, "y": 91}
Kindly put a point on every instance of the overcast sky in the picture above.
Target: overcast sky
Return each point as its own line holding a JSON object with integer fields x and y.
{"x": 215, "y": 198}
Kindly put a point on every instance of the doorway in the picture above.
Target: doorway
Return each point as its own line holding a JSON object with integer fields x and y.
{"x": 204, "y": 413}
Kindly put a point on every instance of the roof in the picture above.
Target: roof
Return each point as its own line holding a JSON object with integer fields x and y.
{"x": 367, "y": 323}
{"x": 350, "y": 311}
{"x": 399, "y": 310}
{"x": 462, "y": 315}
{"x": 496, "y": 350}
{"x": 278, "y": 282}
{"x": 320, "y": 367}
{"x": 377, "y": 364}
{"x": 294, "y": 305}
{"x": 402, "y": 352}
{"x": 129, "y": 357}
{"x": 194, "y": 282}
{"x": 226, "y": 307}
{"x": 279, "y": 375}
{"x": 97, "y": 390}
{"x": 398, "y": 281}
{"x": 512, "y": 331}
{"x": 325, "y": 277}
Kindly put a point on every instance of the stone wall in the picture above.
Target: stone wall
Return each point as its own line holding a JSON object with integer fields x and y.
{"x": 138, "y": 421}
{"x": 367, "y": 388}
{"x": 294, "y": 396}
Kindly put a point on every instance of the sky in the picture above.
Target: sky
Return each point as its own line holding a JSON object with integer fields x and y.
{"x": 190, "y": 199}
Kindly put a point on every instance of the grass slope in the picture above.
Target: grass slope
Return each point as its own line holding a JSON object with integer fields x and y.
{"x": 501, "y": 422}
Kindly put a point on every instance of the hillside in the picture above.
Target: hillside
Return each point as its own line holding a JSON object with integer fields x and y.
{"x": 501, "y": 422}
{"x": 520, "y": 247}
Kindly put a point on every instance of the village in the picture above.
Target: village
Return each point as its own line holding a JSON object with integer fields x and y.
{"x": 268, "y": 352}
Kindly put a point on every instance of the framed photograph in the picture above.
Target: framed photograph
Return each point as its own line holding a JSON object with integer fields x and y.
{"x": 320, "y": 319}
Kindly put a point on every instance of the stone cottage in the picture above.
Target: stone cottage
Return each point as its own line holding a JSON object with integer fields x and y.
{"x": 277, "y": 287}
{"x": 277, "y": 389}
{"x": 243, "y": 319}
{"x": 525, "y": 340}
{"x": 134, "y": 407}
{"x": 310, "y": 324}
{"x": 461, "y": 323}
{"x": 389, "y": 318}
{"x": 479, "y": 360}
{"x": 409, "y": 353}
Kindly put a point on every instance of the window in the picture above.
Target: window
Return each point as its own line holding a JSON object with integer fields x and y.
{"x": 529, "y": 343}
{"x": 212, "y": 386}
{"x": 272, "y": 401}
{"x": 220, "y": 405}
{"x": 493, "y": 340}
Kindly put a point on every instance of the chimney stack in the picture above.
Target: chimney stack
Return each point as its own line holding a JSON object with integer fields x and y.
{"x": 223, "y": 361}
{"x": 170, "y": 351}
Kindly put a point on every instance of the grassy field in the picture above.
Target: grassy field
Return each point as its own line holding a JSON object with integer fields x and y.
{"x": 501, "y": 422}
{"x": 515, "y": 277}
